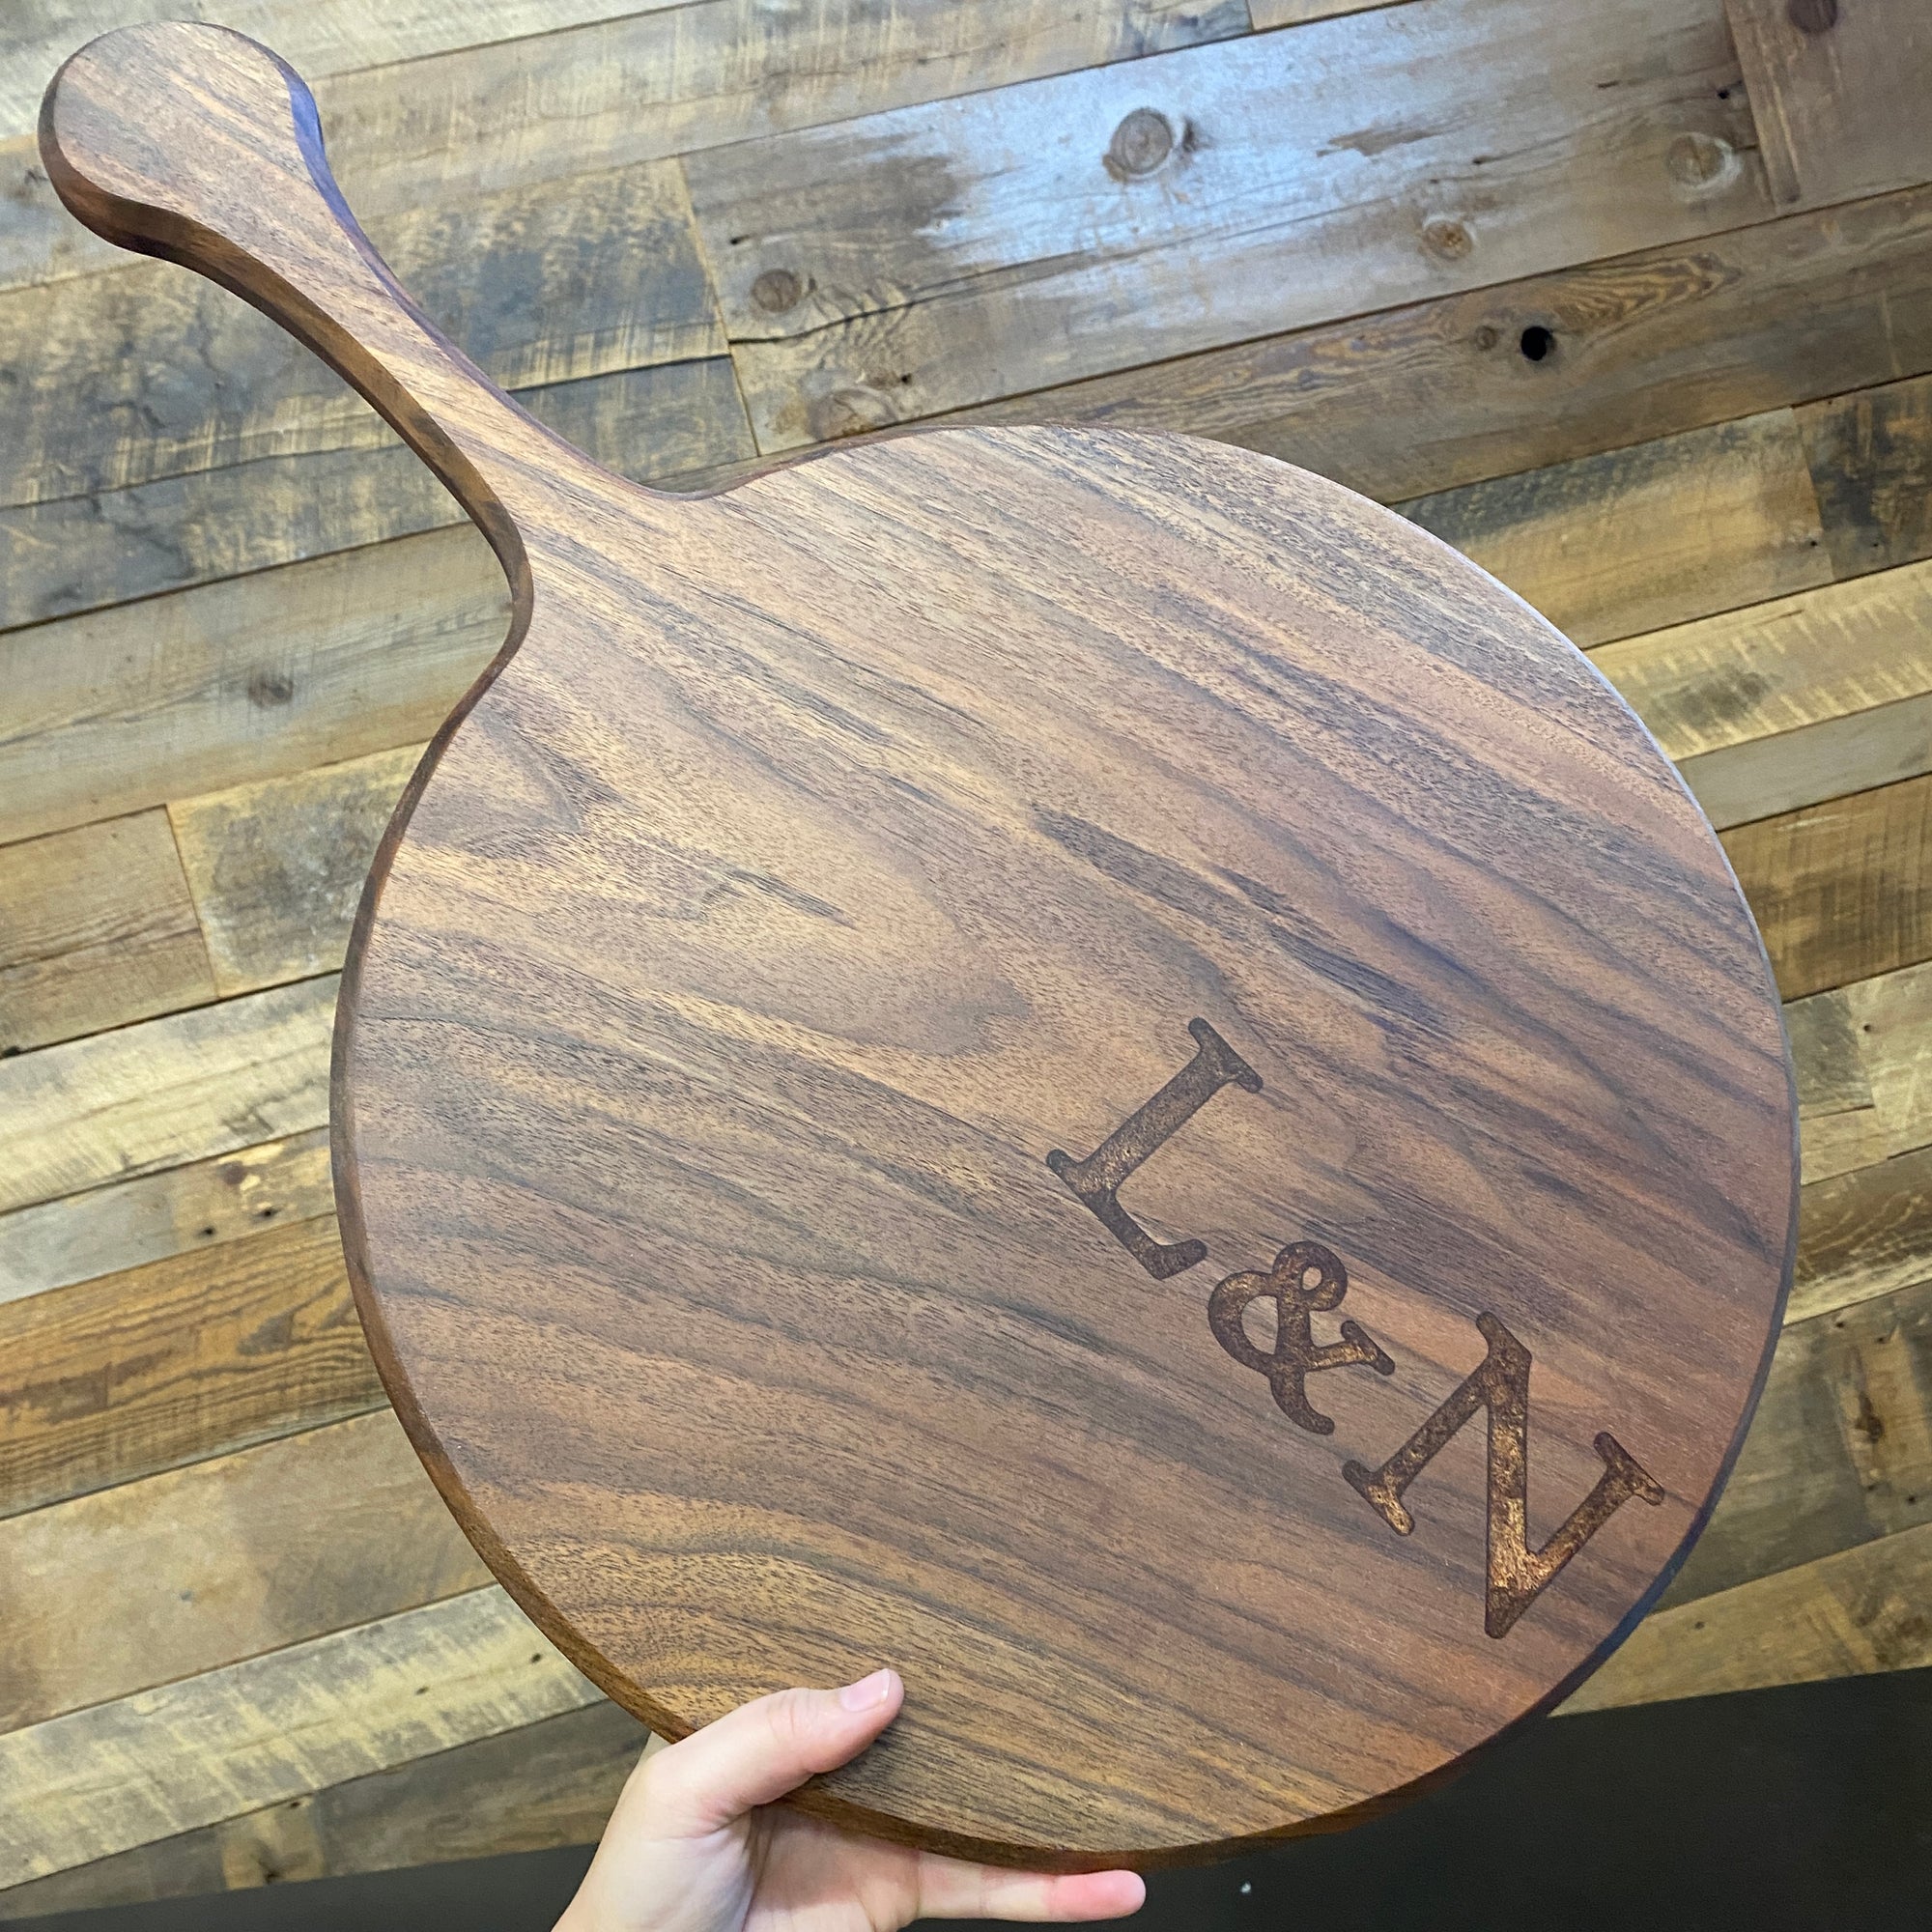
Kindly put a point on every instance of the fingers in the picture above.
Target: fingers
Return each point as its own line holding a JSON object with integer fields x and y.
{"x": 948, "y": 1888}
{"x": 764, "y": 1748}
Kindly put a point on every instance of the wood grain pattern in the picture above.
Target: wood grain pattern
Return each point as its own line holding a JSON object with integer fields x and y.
{"x": 831, "y": 852}
{"x": 1635, "y": 539}
{"x": 97, "y": 929}
{"x": 131, "y": 1374}
{"x": 1793, "y": 702}
{"x": 1438, "y": 393}
{"x": 218, "y": 686}
{"x": 218, "y": 1746}
{"x": 930, "y": 251}
{"x": 548, "y": 1783}
{"x": 1864, "y": 1234}
{"x": 276, "y": 867}
{"x": 164, "y": 1093}
{"x": 1839, "y": 93}
{"x": 106, "y": 1229}
{"x": 230, "y": 1558}
{"x": 1841, "y": 889}
{"x": 1872, "y": 461}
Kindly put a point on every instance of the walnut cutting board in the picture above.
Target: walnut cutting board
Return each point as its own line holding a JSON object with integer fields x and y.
{"x": 1077, "y": 1062}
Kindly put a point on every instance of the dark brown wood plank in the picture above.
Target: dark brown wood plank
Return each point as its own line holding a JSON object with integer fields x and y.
{"x": 1498, "y": 380}
{"x": 96, "y": 928}
{"x": 1841, "y": 891}
{"x": 122, "y": 1377}
{"x": 1871, "y": 461}
{"x": 1840, "y": 89}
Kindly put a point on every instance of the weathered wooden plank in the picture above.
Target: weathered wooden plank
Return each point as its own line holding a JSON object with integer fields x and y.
{"x": 1891, "y": 1016}
{"x": 1636, "y": 539}
{"x": 1859, "y": 1610}
{"x": 548, "y": 1783}
{"x": 95, "y": 929}
{"x": 1863, "y": 1233}
{"x": 276, "y": 867}
{"x": 1841, "y": 891}
{"x": 1839, "y": 1451}
{"x": 164, "y": 1093}
{"x": 1269, "y": 14}
{"x": 120, "y": 709}
{"x": 916, "y": 262}
{"x": 219, "y": 1745}
{"x": 1871, "y": 461}
{"x": 146, "y": 372}
{"x": 1839, "y": 93}
{"x": 647, "y": 86}
{"x": 157, "y": 1580}
{"x": 319, "y": 37}
{"x": 1839, "y": 1127}
{"x": 1498, "y": 380}
{"x": 155, "y": 1215}
{"x": 1788, "y": 704}
{"x": 673, "y": 421}
{"x": 131, "y": 1374}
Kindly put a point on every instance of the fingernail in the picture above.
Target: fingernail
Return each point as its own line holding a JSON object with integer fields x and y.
{"x": 867, "y": 1693}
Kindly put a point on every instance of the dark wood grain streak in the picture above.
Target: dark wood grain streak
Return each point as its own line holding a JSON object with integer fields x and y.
{"x": 820, "y": 857}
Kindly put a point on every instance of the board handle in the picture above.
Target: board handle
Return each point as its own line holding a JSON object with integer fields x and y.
{"x": 196, "y": 144}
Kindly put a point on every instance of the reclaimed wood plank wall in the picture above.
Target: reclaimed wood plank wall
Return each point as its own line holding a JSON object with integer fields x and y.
{"x": 1631, "y": 303}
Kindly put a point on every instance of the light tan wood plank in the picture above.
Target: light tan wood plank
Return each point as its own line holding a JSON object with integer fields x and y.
{"x": 1844, "y": 1615}
{"x": 1840, "y": 89}
{"x": 1841, "y": 891}
{"x": 189, "y": 1571}
{"x": 937, "y": 257}
{"x": 95, "y": 929}
{"x": 131, "y": 1374}
{"x": 1440, "y": 393}
{"x": 1891, "y": 1017}
{"x": 548, "y": 1783}
{"x": 96, "y": 1782}
{"x": 667, "y": 424}
{"x": 276, "y": 867}
{"x": 1863, "y": 1233}
{"x": 1839, "y": 1451}
{"x": 358, "y": 652}
{"x": 1630, "y": 541}
{"x": 164, "y": 1093}
{"x": 1268, "y": 14}
{"x": 1871, "y": 463}
{"x": 1838, "y": 1125}
{"x": 155, "y": 1215}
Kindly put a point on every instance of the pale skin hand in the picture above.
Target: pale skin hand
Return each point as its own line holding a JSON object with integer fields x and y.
{"x": 691, "y": 1846}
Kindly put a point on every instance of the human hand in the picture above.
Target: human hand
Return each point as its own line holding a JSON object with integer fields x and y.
{"x": 691, "y": 1846}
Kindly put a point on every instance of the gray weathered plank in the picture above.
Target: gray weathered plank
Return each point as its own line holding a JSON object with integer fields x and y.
{"x": 276, "y": 867}
{"x": 158, "y": 1762}
{"x": 1636, "y": 539}
{"x": 115, "y": 710}
{"x": 936, "y": 257}
{"x": 164, "y": 1093}
{"x": 95, "y": 929}
{"x": 1871, "y": 463}
{"x": 155, "y": 1215}
{"x": 1439, "y": 393}
{"x": 230, "y": 1558}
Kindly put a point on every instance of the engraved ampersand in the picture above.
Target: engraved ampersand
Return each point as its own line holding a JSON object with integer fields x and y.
{"x": 1307, "y": 1280}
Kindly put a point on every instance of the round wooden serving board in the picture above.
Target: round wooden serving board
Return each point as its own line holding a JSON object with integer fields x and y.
{"x": 1079, "y": 1062}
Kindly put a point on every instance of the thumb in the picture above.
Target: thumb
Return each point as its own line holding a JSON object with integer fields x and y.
{"x": 759, "y": 1751}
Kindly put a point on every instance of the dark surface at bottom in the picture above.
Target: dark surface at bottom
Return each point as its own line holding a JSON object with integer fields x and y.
{"x": 1803, "y": 1807}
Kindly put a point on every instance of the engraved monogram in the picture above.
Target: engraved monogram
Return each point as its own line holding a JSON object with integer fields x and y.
{"x": 1308, "y": 1279}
